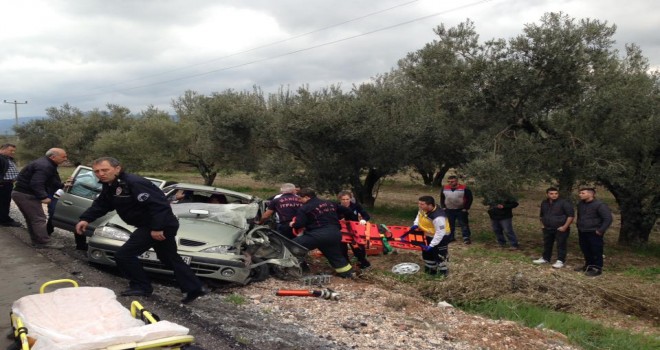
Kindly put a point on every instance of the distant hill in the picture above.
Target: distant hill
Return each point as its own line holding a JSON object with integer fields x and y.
{"x": 6, "y": 125}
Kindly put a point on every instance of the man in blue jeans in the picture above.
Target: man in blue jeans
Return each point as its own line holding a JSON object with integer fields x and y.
{"x": 456, "y": 200}
{"x": 501, "y": 220}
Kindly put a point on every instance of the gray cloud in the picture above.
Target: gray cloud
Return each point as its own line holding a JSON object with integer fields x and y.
{"x": 140, "y": 53}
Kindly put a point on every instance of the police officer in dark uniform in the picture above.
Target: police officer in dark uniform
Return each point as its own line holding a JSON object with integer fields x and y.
{"x": 321, "y": 230}
{"x": 140, "y": 203}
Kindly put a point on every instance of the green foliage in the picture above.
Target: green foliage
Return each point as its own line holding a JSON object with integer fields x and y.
{"x": 236, "y": 299}
{"x": 219, "y": 132}
{"x": 154, "y": 134}
{"x": 586, "y": 334}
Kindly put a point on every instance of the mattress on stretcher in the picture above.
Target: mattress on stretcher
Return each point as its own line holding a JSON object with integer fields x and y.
{"x": 85, "y": 318}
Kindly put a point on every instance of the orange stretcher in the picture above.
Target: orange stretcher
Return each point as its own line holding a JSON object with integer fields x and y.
{"x": 381, "y": 238}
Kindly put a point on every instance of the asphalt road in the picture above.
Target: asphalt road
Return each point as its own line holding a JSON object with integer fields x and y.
{"x": 215, "y": 323}
{"x": 22, "y": 272}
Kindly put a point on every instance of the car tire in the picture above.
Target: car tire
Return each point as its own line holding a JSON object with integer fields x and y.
{"x": 259, "y": 273}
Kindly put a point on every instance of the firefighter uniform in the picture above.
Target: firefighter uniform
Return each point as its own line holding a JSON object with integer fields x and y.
{"x": 322, "y": 230}
{"x": 140, "y": 203}
{"x": 435, "y": 227}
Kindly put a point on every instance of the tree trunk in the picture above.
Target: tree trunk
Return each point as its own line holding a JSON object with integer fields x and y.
{"x": 637, "y": 215}
{"x": 437, "y": 180}
{"x": 426, "y": 174}
{"x": 566, "y": 180}
{"x": 430, "y": 176}
{"x": 364, "y": 193}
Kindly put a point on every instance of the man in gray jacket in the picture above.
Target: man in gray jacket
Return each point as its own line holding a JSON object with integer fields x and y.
{"x": 556, "y": 214}
{"x": 594, "y": 218}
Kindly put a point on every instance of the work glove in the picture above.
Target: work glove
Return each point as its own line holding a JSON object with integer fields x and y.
{"x": 426, "y": 248}
{"x": 413, "y": 228}
{"x": 363, "y": 222}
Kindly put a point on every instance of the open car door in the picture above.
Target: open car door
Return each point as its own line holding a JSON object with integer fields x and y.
{"x": 77, "y": 198}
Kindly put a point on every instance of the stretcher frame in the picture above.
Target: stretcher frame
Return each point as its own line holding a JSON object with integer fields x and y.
{"x": 25, "y": 342}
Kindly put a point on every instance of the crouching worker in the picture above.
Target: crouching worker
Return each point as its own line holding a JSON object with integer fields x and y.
{"x": 322, "y": 230}
{"x": 432, "y": 221}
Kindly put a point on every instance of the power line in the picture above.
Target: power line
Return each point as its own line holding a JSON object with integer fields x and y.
{"x": 261, "y": 46}
{"x": 294, "y": 51}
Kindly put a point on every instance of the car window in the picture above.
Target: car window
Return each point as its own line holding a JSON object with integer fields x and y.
{"x": 85, "y": 184}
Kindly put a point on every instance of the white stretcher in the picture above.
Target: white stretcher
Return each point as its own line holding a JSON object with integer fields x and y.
{"x": 86, "y": 318}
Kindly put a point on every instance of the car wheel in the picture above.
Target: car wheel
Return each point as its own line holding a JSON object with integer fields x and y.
{"x": 260, "y": 272}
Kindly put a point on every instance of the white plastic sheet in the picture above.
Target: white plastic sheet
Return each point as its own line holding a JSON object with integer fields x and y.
{"x": 85, "y": 318}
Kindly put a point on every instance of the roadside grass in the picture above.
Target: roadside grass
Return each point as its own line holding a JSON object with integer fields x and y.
{"x": 587, "y": 334}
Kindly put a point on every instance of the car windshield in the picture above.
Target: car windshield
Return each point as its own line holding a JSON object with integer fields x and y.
{"x": 231, "y": 214}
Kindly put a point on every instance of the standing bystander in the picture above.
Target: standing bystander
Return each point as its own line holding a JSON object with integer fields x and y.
{"x": 140, "y": 203}
{"x": 556, "y": 214}
{"x": 456, "y": 200}
{"x": 594, "y": 218}
{"x": 501, "y": 220}
{"x": 432, "y": 221}
{"x": 35, "y": 182}
{"x": 8, "y": 174}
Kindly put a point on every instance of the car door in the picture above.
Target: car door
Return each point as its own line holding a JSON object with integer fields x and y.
{"x": 77, "y": 198}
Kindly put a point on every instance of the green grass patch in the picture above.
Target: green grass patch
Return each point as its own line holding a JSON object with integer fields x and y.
{"x": 402, "y": 213}
{"x": 587, "y": 334}
{"x": 647, "y": 273}
{"x": 236, "y": 299}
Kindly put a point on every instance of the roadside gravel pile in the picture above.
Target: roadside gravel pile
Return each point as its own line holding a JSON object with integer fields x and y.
{"x": 368, "y": 316}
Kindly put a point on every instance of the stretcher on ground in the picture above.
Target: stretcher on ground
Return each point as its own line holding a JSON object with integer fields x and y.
{"x": 85, "y": 318}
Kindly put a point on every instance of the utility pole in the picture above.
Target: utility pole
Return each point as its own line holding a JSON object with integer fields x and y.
{"x": 15, "y": 103}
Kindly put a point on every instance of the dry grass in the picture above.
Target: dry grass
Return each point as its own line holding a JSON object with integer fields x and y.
{"x": 482, "y": 271}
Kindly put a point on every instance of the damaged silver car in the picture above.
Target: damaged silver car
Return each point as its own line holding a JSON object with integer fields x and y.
{"x": 217, "y": 235}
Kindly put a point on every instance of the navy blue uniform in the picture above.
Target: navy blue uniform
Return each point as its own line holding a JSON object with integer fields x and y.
{"x": 140, "y": 203}
{"x": 322, "y": 231}
{"x": 286, "y": 206}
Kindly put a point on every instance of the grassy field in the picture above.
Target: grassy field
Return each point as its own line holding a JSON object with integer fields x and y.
{"x": 618, "y": 310}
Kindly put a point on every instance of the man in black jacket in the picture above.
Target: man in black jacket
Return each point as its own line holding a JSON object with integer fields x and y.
{"x": 556, "y": 217}
{"x": 140, "y": 203}
{"x": 8, "y": 174}
{"x": 35, "y": 182}
{"x": 594, "y": 218}
{"x": 501, "y": 220}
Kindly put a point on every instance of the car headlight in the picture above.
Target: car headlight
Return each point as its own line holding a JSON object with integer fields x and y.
{"x": 112, "y": 233}
{"x": 221, "y": 249}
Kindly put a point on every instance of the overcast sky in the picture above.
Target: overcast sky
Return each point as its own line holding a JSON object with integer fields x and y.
{"x": 137, "y": 53}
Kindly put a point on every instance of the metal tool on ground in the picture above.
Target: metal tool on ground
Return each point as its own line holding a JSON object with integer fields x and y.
{"x": 315, "y": 280}
{"x": 326, "y": 293}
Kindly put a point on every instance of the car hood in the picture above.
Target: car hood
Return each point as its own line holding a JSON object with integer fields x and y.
{"x": 203, "y": 225}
